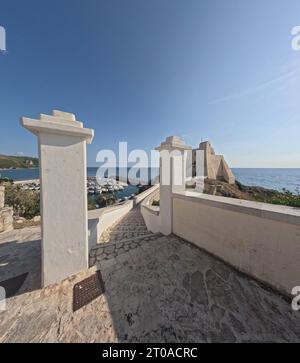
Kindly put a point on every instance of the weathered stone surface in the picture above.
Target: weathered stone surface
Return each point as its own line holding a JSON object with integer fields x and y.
{"x": 2, "y": 190}
{"x": 237, "y": 325}
{"x": 130, "y": 226}
{"x": 36, "y": 219}
{"x": 198, "y": 290}
{"x": 220, "y": 292}
{"x": 6, "y": 219}
{"x": 218, "y": 314}
{"x": 20, "y": 252}
{"x": 110, "y": 249}
{"x": 150, "y": 296}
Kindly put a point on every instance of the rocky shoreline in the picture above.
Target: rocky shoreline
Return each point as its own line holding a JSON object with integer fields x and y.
{"x": 252, "y": 193}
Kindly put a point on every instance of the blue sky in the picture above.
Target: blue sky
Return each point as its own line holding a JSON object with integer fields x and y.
{"x": 141, "y": 70}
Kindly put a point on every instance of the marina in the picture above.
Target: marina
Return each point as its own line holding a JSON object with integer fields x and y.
{"x": 106, "y": 187}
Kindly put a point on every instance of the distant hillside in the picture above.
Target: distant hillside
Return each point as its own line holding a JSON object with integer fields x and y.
{"x": 7, "y": 162}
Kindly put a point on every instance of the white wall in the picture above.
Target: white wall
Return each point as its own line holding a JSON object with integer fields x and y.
{"x": 150, "y": 213}
{"x": 101, "y": 219}
{"x": 141, "y": 197}
{"x": 259, "y": 239}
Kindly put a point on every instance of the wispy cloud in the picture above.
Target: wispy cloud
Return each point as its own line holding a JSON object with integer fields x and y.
{"x": 279, "y": 81}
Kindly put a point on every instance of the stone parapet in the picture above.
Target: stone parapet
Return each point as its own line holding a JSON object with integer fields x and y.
{"x": 6, "y": 214}
{"x": 2, "y": 189}
{"x": 6, "y": 220}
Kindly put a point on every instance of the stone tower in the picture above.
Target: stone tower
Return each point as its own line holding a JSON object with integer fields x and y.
{"x": 215, "y": 166}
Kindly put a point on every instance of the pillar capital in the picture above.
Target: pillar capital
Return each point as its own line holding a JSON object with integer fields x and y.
{"x": 173, "y": 143}
{"x": 61, "y": 123}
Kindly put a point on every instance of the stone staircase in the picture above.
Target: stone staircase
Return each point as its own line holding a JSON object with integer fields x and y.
{"x": 125, "y": 235}
{"x": 130, "y": 226}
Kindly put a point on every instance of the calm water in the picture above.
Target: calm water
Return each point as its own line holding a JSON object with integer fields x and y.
{"x": 268, "y": 178}
{"x": 30, "y": 174}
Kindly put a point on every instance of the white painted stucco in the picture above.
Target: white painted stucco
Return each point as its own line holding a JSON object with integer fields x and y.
{"x": 150, "y": 213}
{"x": 171, "y": 160}
{"x": 259, "y": 239}
{"x": 62, "y": 152}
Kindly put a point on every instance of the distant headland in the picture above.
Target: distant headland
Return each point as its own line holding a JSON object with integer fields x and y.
{"x": 18, "y": 162}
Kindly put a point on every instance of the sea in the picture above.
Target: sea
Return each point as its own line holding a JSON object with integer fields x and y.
{"x": 277, "y": 179}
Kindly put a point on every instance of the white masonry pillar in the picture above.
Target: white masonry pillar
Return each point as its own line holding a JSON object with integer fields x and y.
{"x": 62, "y": 152}
{"x": 172, "y": 178}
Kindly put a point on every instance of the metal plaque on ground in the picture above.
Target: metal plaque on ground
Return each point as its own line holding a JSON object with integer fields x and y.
{"x": 87, "y": 290}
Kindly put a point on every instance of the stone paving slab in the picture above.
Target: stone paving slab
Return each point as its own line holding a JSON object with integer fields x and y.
{"x": 20, "y": 252}
{"x": 106, "y": 251}
{"x": 130, "y": 226}
{"x": 166, "y": 290}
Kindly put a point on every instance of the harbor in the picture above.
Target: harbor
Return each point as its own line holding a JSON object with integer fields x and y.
{"x": 107, "y": 187}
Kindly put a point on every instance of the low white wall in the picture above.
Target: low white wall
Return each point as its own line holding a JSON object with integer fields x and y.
{"x": 101, "y": 219}
{"x": 141, "y": 197}
{"x": 259, "y": 239}
{"x": 151, "y": 213}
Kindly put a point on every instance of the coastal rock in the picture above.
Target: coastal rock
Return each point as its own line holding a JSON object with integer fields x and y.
{"x": 239, "y": 191}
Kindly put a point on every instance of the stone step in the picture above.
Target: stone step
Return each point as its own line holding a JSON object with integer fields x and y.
{"x": 112, "y": 250}
{"x": 130, "y": 226}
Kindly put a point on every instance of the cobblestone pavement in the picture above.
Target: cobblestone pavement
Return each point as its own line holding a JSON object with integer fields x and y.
{"x": 130, "y": 226}
{"x": 106, "y": 251}
{"x": 163, "y": 289}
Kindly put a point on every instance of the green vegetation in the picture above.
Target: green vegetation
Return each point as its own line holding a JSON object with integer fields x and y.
{"x": 155, "y": 203}
{"x": 7, "y": 162}
{"x": 287, "y": 198}
{"x": 106, "y": 200}
{"x": 5, "y": 180}
{"x": 91, "y": 203}
{"x": 25, "y": 203}
{"x": 102, "y": 201}
{"x": 257, "y": 194}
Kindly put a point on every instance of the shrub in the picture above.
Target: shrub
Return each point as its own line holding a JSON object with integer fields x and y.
{"x": 106, "y": 200}
{"x": 91, "y": 203}
{"x": 25, "y": 203}
{"x": 5, "y": 181}
{"x": 287, "y": 198}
